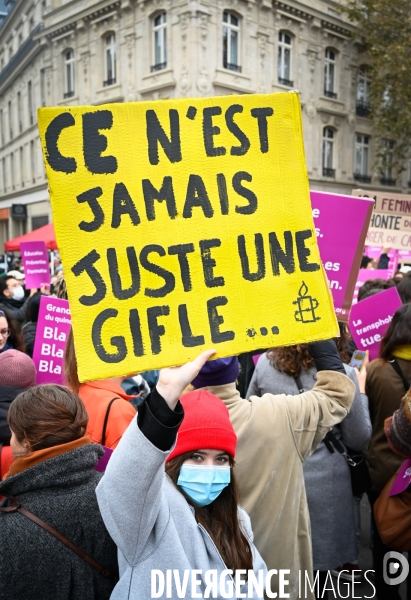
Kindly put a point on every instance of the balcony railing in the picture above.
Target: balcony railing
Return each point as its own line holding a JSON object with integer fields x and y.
{"x": 69, "y": 94}
{"x": 286, "y": 82}
{"x": 362, "y": 178}
{"x": 363, "y": 109}
{"x": 231, "y": 66}
{"x": 387, "y": 181}
{"x": 330, "y": 94}
{"x": 328, "y": 172}
{"x": 110, "y": 81}
{"x": 158, "y": 67}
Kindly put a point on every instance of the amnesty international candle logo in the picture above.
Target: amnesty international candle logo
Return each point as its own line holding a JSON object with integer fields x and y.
{"x": 306, "y": 306}
{"x": 183, "y": 225}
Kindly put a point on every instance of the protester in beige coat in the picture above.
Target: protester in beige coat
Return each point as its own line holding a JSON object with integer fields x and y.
{"x": 275, "y": 435}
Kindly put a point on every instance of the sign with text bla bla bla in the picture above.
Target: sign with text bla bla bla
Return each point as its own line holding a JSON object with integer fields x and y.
{"x": 53, "y": 327}
{"x": 184, "y": 225}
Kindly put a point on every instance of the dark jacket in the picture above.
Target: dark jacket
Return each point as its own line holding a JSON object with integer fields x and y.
{"x": 7, "y": 395}
{"x": 385, "y": 389}
{"x": 29, "y": 335}
{"x": 15, "y": 308}
{"x": 33, "y": 563}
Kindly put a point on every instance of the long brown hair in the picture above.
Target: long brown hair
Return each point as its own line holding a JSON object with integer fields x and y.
{"x": 15, "y": 338}
{"x": 220, "y": 519}
{"x": 46, "y": 416}
{"x": 70, "y": 365}
{"x": 398, "y": 332}
{"x": 291, "y": 360}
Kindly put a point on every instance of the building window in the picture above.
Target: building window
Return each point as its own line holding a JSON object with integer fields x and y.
{"x": 32, "y": 162}
{"x": 328, "y": 150}
{"x": 387, "y": 163}
{"x": 19, "y": 112}
{"x": 329, "y": 74}
{"x": 110, "y": 59}
{"x": 30, "y": 102}
{"x": 22, "y": 178}
{"x": 4, "y": 175}
{"x": 362, "y": 145}
{"x": 2, "y": 126}
{"x": 160, "y": 42}
{"x": 10, "y": 118}
{"x": 69, "y": 73}
{"x": 231, "y": 37}
{"x": 13, "y": 179}
{"x": 43, "y": 87}
{"x": 363, "y": 108}
{"x": 284, "y": 59}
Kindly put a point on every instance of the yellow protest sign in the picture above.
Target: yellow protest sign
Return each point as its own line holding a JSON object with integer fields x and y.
{"x": 184, "y": 225}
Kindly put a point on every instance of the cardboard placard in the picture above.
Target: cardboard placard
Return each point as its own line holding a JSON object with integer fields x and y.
{"x": 53, "y": 327}
{"x": 391, "y": 221}
{"x": 184, "y": 225}
{"x": 341, "y": 242}
{"x": 36, "y": 264}
{"x": 370, "y": 319}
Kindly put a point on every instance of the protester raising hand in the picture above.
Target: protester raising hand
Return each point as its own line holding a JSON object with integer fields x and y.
{"x": 171, "y": 503}
{"x": 173, "y": 381}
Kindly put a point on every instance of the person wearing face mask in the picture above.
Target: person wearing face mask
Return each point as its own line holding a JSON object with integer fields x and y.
{"x": 175, "y": 507}
{"x": 12, "y": 297}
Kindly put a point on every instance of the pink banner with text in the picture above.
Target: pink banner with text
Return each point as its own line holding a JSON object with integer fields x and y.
{"x": 53, "y": 327}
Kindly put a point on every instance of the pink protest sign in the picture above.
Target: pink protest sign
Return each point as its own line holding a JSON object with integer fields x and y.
{"x": 367, "y": 274}
{"x": 370, "y": 319}
{"x": 403, "y": 479}
{"x": 103, "y": 462}
{"x": 53, "y": 327}
{"x": 341, "y": 224}
{"x": 36, "y": 264}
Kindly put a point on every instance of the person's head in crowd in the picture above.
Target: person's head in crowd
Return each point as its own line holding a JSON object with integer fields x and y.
{"x": 17, "y": 370}
{"x": 375, "y": 284}
{"x": 10, "y": 333}
{"x": 45, "y": 416}
{"x": 404, "y": 289}
{"x": 201, "y": 466}
{"x": 60, "y": 288}
{"x": 366, "y": 262}
{"x": 397, "y": 340}
{"x": 70, "y": 364}
{"x": 11, "y": 289}
{"x": 398, "y": 276}
{"x": 17, "y": 275}
{"x": 33, "y": 307}
{"x": 291, "y": 360}
{"x": 217, "y": 372}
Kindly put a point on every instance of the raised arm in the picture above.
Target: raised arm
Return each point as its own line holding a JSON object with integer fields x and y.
{"x": 129, "y": 494}
{"x": 312, "y": 414}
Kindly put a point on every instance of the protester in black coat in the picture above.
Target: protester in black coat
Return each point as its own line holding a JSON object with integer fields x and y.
{"x": 17, "y": 373}
{"x": 30, "y": 328}
{"x": 53, "y": 477}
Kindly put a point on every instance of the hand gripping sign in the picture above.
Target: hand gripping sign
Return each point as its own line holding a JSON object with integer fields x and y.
{"x": 184, "y": 225}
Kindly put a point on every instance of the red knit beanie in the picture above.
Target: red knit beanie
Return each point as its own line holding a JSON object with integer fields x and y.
{"x": 206, "y": 424}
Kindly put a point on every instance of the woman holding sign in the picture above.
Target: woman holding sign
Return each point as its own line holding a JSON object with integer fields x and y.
{"x": 166, "y": 526}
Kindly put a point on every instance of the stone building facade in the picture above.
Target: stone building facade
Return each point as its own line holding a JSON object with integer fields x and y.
{"x": 70, "y": 52}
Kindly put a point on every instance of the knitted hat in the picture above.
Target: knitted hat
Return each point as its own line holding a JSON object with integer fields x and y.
{"x": 217, "y": 372}
{"x": 16, "y": 370}
{"x": 398, "y": 428}
{"x": 206, "y": 424}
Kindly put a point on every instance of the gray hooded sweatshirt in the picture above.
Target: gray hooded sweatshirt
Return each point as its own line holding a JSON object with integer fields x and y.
{"x": 155, "y": 529}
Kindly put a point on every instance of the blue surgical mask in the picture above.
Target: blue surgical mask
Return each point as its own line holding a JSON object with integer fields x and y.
{"x": 203, "y": 483}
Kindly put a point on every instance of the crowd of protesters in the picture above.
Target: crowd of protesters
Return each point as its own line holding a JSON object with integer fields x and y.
{"x": 240, "y": 463}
